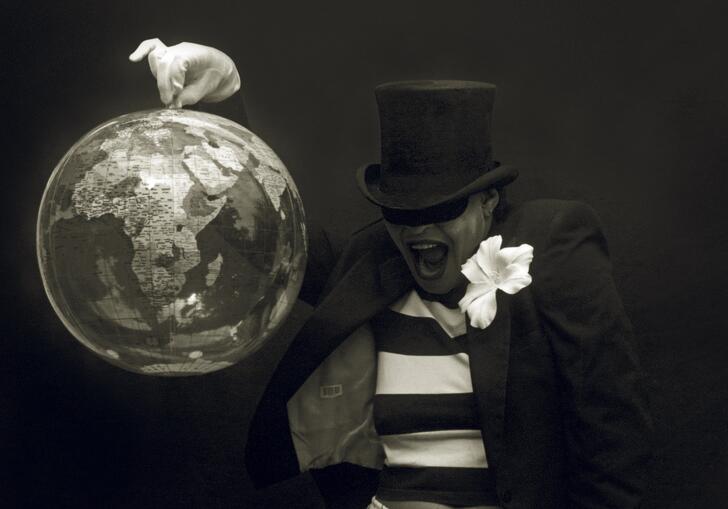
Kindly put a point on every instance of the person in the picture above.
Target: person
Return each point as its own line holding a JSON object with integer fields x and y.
{"x": 463, "y": 352}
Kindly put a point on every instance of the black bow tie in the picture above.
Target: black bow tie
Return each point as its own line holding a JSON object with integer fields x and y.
{"x": 449, "y": 299}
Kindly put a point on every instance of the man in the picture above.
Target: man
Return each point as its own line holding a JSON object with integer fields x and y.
{"x": 438, "y": 369}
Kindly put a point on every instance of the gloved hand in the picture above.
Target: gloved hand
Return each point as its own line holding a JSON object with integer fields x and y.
{"x": 187, "y": 72}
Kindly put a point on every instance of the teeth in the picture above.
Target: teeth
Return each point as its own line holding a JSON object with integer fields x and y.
{"x": 423, "y": 245}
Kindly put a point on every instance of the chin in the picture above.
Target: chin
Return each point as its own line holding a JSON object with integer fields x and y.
{"x": 435, "y": 287}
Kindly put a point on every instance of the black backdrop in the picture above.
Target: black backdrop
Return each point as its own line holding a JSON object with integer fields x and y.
{"x": 618, "y": 104}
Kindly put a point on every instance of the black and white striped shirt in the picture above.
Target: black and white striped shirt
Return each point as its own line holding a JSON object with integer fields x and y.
{"x": 424, "y": 407}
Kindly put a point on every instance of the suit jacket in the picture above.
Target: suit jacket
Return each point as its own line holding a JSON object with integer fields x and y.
{"x": 557, "y": 382}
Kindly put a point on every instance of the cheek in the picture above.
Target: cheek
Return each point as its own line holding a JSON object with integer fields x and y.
{"x": 465, "y": 237}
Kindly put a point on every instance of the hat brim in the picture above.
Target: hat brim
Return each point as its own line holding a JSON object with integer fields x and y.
{"x": 368, "y": 178}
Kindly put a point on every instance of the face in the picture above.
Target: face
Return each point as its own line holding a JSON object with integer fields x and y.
{"x": 435, "y": 252}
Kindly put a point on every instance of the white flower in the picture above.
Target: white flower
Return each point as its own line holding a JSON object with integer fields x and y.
{"x": 489, "y": 269}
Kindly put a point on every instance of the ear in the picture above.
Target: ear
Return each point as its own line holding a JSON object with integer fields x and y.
{"x": 490, "y": 201}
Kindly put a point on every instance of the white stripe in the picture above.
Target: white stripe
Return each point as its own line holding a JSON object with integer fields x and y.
{"x": 448, "y": 448}
{"x": 423, "y": 374}
{"x": 452, "y": 321}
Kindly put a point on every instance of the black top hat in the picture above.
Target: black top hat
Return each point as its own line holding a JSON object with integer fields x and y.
{"x": 436, "y": 144}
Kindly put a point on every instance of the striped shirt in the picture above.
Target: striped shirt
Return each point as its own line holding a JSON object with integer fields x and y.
{"x": 424, "y": 407}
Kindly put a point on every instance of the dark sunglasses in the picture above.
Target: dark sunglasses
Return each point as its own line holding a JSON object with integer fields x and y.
{"x": 437, "y": 214}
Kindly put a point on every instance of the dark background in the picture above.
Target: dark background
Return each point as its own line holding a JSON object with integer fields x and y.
{"x": 619, "y": 104}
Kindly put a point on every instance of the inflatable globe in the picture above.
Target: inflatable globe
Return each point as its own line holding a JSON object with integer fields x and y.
{"x": 171, "y": 242}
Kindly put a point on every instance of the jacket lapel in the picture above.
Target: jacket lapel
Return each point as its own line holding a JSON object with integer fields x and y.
{"x": 488, "y": 350}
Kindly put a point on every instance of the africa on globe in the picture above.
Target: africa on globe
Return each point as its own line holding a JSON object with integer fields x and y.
{"x": 171, "y": 242}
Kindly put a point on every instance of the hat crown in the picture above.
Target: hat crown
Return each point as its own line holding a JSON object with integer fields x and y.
{"x": 435, "y": 128}
{"x": 435, "y": 144}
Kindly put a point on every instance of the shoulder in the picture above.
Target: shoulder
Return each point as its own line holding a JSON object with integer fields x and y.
{"x": 371, "y": 241}
{"x": 545, "y": 222}
{"x": 566, "y": 236}
{"x": 371, "y": 234}
{"x": 548, "y": 214}
{"x": 570, "y": 251}
{"x": 372, "y": 237}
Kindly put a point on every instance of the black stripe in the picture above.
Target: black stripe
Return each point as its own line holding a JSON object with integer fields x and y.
{"x": 408, "y": 335}
{"x": 445, "y": 485}
{"x": 395, "y": 414}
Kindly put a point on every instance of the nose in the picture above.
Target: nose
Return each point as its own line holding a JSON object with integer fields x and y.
{"x": 419, "y": 229}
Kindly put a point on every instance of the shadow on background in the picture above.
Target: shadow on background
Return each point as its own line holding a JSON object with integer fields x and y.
{"x": 618, "y": 105}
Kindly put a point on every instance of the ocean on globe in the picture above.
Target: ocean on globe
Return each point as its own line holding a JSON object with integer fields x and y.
{"x": 171, "y": 242}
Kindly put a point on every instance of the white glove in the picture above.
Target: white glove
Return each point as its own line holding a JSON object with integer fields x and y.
{"x": 187, "y": 72}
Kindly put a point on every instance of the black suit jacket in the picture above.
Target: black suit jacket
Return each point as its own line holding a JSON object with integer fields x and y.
{"x": 556, "y": 378}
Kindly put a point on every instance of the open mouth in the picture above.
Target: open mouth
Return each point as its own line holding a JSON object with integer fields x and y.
{"x": 430, "y": 258}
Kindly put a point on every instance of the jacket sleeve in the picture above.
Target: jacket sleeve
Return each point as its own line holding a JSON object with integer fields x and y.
{"x": 606, "y": 419}
{"x": 320, "y": 263}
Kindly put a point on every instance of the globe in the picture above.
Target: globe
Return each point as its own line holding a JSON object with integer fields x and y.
{"x": 171, "y": 242}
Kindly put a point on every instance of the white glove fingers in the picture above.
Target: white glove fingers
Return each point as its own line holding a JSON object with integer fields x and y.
{"x": 146, "y": 47}
{"x": 211, "y": 73}
{"x": 170, "y": 76}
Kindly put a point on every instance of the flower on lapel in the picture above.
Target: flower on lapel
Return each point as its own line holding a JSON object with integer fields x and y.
{"x": 489, "y": 269}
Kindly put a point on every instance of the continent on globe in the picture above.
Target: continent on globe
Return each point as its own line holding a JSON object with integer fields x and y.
{"x": 171, "y": 242}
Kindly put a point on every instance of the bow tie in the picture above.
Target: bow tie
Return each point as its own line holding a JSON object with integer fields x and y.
{"x": 449, "y": 299}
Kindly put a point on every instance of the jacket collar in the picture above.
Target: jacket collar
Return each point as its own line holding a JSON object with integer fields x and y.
{"x": 394, "y": 276}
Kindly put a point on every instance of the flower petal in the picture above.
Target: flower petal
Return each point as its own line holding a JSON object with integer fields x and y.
{"x": 472, "y": 271}
{"x": 515, "y": 284}
{"x": 474, "y": 291}
{"x": 513, "y": 270}
{"x": 487, "y": 255}
{"x": 482, "y": 310}
{"x": 489, "y": 269}
{"x": 520, "y": 254}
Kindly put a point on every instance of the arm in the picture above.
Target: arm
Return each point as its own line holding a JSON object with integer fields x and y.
{"x": 607, "y": 423}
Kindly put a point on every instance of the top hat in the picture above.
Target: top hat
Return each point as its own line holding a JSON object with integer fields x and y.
{"x": 436, "y": 145}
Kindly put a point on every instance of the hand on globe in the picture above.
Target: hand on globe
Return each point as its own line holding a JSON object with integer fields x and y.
{"x": 188, "y": 73}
